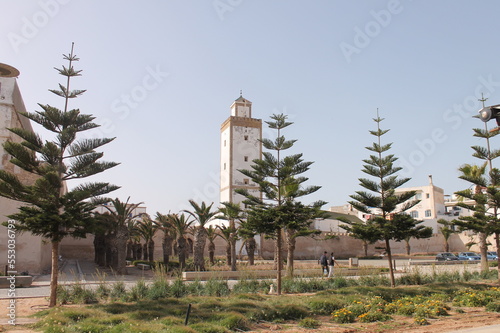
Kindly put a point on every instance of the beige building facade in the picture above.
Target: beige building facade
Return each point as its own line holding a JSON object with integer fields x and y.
{"x": 32, "y": 253}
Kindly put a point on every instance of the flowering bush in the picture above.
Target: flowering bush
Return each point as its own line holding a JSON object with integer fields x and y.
{"x": 343, "y": 316}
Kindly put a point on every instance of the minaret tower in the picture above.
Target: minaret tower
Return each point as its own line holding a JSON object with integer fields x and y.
{"x": 240, "y": 137}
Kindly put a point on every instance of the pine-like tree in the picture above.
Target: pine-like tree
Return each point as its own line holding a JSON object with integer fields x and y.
{"x": 485, "y": 195}
{"x": 387, "y": 206}
{"x": 51, "y": 211}
{"x": 279, "y": 180}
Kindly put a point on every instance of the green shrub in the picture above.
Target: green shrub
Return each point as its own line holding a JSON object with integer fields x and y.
{"x": 158, "y": 289}
{"x": 178, "y": 288}
{"x": 372, "y": 316}
{"x": 493, "y": 306}
{"x": 118, "y": 290}
{"x": 216, "y": 288}
{"x": 234, "y": 321}
{"x": 343, "y": 316}
{"x": 291, "y": 312}
{"x": 208, "y": 328}
{"x": 309, "y": 322}
{"x": 139, "y": 291}
{"x": 325, "y": 306}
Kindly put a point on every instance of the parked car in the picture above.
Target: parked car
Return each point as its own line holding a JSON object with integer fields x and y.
{"x": 446, "y": 256}
{"x": 492, "y": 255}
{"x": 472, "y": 256}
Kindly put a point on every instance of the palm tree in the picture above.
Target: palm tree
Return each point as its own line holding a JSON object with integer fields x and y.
{"x": 225, "y": 233}
{"x": 232, "y": 213}
{"x": 180, "y": 225}
{"x": 121, "y": 213}
{"x": 446, "y": 230}
{"x": 475, "y": 175}
{"x": 201, "y": 214}
{"x": 147, "y": 229}
{"x": 247, "y": 235}
{"x": 163, "y": 223}
{"x": 212, "y": 234}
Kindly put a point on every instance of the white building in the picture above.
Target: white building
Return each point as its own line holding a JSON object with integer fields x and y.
{"x": 240, "y": 137}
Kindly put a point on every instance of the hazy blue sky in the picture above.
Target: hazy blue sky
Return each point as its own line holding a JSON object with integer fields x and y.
{"x": 161, "y": 75}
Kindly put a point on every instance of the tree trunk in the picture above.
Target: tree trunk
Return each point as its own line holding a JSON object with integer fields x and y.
{"x": 250, "y": 246}
{"x": 278, "y": 258}
{"x": 54, "y": 274}
{"x": 497, "y": 242}
{"x": 446, "y": 245}
{"x": 130, "y": 249}
{"x": 232, "y": 240}
{"x": 290, "y": 242}
{"x": 200, "y": 239}
{"x": 228, "y": 253}
{"x": 407, "y": 246}
{"x": 151, "y": 250}
{"x": 181, "y": 251}
{"x": 145, "y": 251}
{"x": 389, "y": 257}
{"x": 100, "y": 250}
{"x": 109, "y": 240}
{"x": 365, "y": 248}
{"x": 211, "y": 252}
{"x": 120, "y": 250}
{"x": 483, "y": 249}
{"x": 167, "y": 249}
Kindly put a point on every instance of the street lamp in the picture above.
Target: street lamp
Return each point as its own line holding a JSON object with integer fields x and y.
{"x": 489, "y": 112}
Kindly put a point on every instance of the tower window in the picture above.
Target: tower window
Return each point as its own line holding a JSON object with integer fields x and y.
{"x": 427, "y": 195}
{"x": 246, "y": 137}
{"x": 246, "y": 158}
{"x": 246, "y": 181}
{"x": 224, "y": 166}
{"x": 428, "y": 213}
{"x": 224, "y": 143}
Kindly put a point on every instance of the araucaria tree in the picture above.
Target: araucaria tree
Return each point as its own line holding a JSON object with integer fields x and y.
{"x": 281, "y": 184}
{"x": 388, "y": 207}
{"x": 50, "y": 210}
{"x": 484, "y": 198}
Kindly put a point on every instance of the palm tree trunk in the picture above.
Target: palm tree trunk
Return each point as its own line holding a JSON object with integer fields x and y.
{"x": 145, "y": 251}
{"x": 54, "y": 274}
{"x": 211, "y": 253}
{"x": 151, "y": 250}
{"x": 200, "y": 239}
{"x": 181, "y": 251}
{"x": 250, "y": 246}
{"x": 167, "y": 249}
{"x": 228, "y": 253}
{"x": 232, "y": 240}
{"x": 120, "y": 246}
{"x": 100, "y": 250}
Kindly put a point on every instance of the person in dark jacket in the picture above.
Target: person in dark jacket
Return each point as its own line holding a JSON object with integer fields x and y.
{"x": 324, "y": 263}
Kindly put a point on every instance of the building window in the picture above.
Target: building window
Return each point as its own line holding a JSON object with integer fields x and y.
{"x": 414, "y": 214}
{"x": 418, "y": 196}
{"x": 427, "y": 195}
{"x": 246, "y": 137}
{"x": 246, "y": 181}
{"x": 428, "y": 213}
{"x": 246, "y": 158}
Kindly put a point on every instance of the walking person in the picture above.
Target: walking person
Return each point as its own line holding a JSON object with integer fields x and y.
{"x": 324, "y": 263}
{"x": 331, "y": 263}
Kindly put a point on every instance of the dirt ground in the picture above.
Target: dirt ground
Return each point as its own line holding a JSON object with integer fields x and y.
{"x": 473, "y": 317}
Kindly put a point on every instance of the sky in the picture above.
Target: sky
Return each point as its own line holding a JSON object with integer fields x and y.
{"x": 161, "y": 76}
